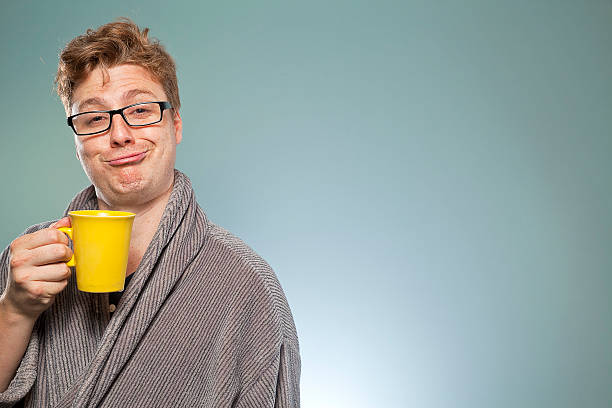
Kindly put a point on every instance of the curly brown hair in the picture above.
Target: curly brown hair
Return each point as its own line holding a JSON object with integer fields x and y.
{"x": 112, "y": 44}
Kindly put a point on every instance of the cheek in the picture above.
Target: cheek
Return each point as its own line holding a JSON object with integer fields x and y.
{"x": 82, "y": 154}
{"x": 87, "y": 156}
{"x": 90, "y": 147}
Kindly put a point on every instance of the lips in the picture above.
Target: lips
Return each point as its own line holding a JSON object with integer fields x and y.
{"x": 129, "y": 158}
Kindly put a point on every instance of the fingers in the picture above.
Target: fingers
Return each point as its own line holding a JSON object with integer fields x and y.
{"x": 50, "y": 254}
{"x": 62, "y": 222}
{"x": 37, "y": 269}
{"x": 44, "y": 255}
{"x": 44, "y": 292}
{"x": 53, "y": 288}
{"x": 39, "y": 238}
{"x": 49, "y": 273}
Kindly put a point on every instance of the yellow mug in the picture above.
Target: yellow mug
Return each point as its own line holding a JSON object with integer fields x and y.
{"x": 101, "y": 243}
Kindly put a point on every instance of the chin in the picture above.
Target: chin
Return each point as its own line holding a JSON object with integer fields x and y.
{"x": 122, "y": 191}
{"x": 132, "y": 185}
{"x": 129, "y": 188}
{"x": 127, "y": 180}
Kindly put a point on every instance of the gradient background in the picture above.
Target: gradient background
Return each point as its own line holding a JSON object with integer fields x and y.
{"x": 431, "y": 181}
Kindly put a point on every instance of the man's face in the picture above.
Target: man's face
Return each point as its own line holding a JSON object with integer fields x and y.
{"x": 127, "y": 165}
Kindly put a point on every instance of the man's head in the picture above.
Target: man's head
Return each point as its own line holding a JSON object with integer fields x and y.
{"x": 114, "y": 67}
{"x": 117, "y": 43}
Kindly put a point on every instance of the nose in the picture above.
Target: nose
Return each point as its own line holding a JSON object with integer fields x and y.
{"x": 120, "y": 132}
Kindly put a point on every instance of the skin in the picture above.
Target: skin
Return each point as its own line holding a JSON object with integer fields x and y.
{"x": 131, "y": 185}
{"x": 132, "y": 169}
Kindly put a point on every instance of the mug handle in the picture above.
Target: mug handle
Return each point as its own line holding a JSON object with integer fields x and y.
{"x": 68, "y": 231}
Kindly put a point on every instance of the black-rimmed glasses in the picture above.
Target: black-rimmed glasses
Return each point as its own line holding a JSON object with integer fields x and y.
{"x": 138, "y": 114}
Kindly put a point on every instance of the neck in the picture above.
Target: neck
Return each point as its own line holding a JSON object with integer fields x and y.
{"x": 148, "y": 216}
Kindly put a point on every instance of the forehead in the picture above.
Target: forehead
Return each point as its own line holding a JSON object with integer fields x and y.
{"x": 115, "y": 86}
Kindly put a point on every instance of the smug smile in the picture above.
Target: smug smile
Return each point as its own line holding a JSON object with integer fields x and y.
{"x": 129, "y": 158}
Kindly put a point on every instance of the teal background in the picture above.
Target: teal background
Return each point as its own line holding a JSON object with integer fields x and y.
{"x": 431, "y": 181}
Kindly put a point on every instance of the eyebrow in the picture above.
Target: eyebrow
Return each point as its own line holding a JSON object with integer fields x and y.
{"x": 90, "y": 101}
{"x": 132, "y": 93}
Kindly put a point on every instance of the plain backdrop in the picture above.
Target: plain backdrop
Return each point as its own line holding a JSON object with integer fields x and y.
{"x": 430, "y": 180}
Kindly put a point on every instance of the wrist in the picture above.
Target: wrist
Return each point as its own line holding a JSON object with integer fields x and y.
{"x": 10, "y": 314}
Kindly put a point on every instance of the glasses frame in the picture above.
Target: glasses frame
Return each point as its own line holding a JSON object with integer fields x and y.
{"x": 162, "y": 106}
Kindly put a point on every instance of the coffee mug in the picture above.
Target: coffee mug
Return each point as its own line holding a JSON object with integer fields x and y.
{"x": 101, "y": 243}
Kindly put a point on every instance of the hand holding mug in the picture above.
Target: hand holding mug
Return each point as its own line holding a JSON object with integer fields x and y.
{"x": 37, "y": 270}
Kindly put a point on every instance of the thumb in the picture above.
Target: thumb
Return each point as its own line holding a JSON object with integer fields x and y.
{"x": 62, "y": 222}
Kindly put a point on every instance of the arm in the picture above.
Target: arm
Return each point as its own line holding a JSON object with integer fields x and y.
{"x": 15, "y": 331}
{"x": 278, "y": 386}
{"x": 35, "y": 274}
{"x": 288, "y": 385}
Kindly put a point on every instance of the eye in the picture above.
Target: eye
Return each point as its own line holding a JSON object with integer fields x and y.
{"x": 140, "y": 111}
{"x": 96, "y": 119}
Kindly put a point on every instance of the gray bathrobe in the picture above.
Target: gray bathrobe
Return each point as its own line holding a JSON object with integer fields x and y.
{"x": 203, "y": 323}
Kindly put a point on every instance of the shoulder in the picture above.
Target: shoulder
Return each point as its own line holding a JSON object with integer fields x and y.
{"x": 254, "y": 285}
{"x": 236, "y": 251}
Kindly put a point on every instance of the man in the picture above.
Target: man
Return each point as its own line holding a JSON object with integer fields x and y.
{"x": 202, "y": 321}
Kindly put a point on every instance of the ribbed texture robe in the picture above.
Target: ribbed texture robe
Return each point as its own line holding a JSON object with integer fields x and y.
{"x": 203, "y": 323}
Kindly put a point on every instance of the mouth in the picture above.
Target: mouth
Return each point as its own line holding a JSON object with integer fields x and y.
{"x": 127, "y": 159}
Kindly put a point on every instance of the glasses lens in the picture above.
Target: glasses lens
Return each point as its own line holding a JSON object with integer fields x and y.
{"x": 143, "y": 114}
{"x": 91, "y": 122}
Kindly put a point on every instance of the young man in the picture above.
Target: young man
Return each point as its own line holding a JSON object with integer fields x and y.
{"x": 203, "y": 320}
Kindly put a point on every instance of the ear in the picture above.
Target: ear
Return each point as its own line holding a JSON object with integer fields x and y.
{"x": 177, "y": 122}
